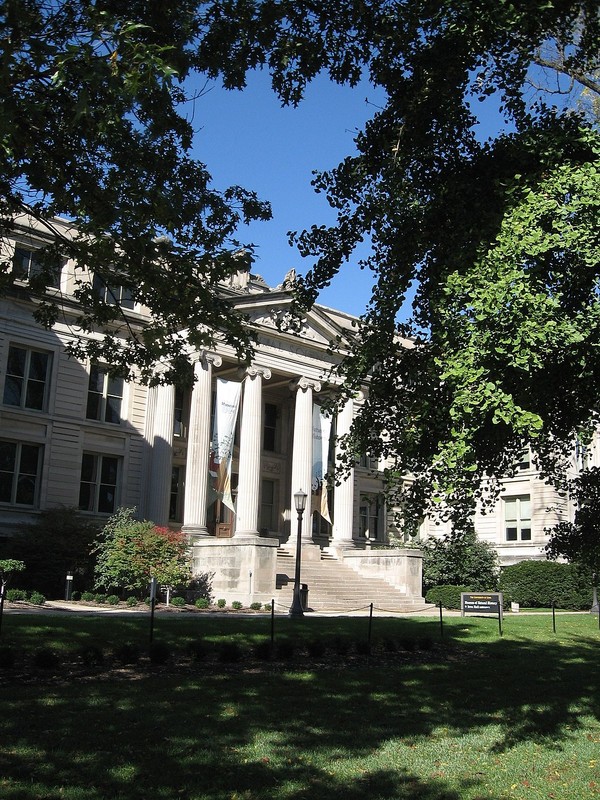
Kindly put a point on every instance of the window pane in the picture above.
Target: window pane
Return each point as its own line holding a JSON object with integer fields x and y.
{"x": 88, "y": 468}
{"x": 17, "y": 357}
{"x": 113, "y": 410}
{"x": 6, "y": 480}
{"x": 94, "y": 406}
{"x": 106, "y": 499}
{"x": 21, "y": 261}
{"x": 38, "y": 366}
{"x": 109, "y": 470}
{"x": 526, "y": 534}
{"x": 29, "y": 459}
{"x": 86, "y": 497}
{"x": 96, "y": 379}
{"x": 525, "y": 508}
{"x": 8, "y": 452}
{"x": 511, "y": 534}
{"x": 13, "y": 389}
{"x": 25, "y": 490}
{"x": 35, "y": 395}
{"x": 115, "y": 387}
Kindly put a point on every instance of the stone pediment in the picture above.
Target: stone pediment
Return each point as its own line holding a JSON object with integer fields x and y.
{"x": 274, "y": 314}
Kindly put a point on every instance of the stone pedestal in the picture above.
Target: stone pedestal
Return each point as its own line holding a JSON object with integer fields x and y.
{"x": 243, "y": 570}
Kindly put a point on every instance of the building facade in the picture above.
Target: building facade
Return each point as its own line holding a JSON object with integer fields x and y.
{"x": 70, "y": 435}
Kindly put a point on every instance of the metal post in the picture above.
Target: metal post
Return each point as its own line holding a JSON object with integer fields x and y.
{"x": 68, "y": 587}
{"x": 296, "y": 607}
{"x": 272, "y": 621}
{"x": 553, "y": 616}
{"x": 370, "y": 625}
{"x": 441, "y": 621}
{"x": 595, "y": 609}
{"x": 152, "y": 605}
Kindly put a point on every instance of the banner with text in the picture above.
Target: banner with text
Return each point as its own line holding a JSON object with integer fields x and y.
{"x": 321, "y": 436}
{"x": 226, "y": 411}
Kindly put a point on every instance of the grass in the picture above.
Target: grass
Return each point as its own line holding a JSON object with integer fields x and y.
{"x": 468, "y": 717}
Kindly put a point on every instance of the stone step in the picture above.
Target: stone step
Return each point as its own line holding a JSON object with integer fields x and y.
{"x": 334, "y": 586}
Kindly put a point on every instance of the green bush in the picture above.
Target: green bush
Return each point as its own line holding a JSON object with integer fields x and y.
{"x": 178, "y": 602}
{"x": 88, "y": 597}
{"x": 449, "y": 596}
{"x": 100, "y": 598}
{"x": 113, "y": 599}
{"x": 460, "y": 559}
{"x": 202, "y": 602}
{"x": 75, "y": 596}
{"x": 267, "y": 606}
{"x": 37, "y": 599}
{"x": 536, "y": 584}
{"x": 13, "y": 595}
{"x": 256, "y": 606}
{"x": 221, "y": 603}
{"x": 57, "y": 544}
{"x": 237, "y": 605}
{"x": 132, "y": 601}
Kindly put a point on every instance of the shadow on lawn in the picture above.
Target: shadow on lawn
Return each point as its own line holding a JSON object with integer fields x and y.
{"x": 266, "y": 734}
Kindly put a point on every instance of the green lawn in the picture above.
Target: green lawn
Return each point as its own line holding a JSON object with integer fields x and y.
{"x": 471, "y": 716}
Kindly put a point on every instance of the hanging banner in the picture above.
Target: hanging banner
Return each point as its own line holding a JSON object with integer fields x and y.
{"x": 321, "y": 435}
{"x": 226, "y": 411}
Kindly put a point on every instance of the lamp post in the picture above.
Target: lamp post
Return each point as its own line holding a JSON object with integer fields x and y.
{"x": 594, "y": 609}
{"x": 300, "y": 503}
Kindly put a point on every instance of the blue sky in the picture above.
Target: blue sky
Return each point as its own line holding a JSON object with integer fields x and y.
{"x": 247, "y": 138}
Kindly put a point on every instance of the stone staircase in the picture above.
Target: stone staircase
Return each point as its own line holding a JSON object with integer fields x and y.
{"x": 334, "y": 586}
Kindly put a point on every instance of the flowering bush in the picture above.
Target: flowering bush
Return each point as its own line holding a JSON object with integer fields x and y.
{"x": 130, "y": 552}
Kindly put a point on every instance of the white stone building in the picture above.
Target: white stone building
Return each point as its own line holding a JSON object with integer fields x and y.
{"x": 72, "y": 436}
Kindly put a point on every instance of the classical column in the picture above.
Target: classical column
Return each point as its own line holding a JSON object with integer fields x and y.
{"x": 343, "y": 499}
{"x": 302, "y": 448}
{"x": 163, "y": 402}
{"x": 250, "y": 448}
{"x": 198, "y": 449}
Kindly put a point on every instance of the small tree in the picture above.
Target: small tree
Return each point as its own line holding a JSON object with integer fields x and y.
{"x": 8, "y": 567}
{"x": 462, "y": 560}
{"x": 130, "y": 552}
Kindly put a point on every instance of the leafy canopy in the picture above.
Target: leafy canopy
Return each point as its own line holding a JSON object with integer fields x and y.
{"x": 130, "y": 552}
{"x": 95, "y": 127}
{"x": 497, "y": 239}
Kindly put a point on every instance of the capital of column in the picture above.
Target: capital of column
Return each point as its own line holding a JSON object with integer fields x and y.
{"x": 255, "y": 371}
{"x": 205, "y": 357}
{"x": 305, "y": 383}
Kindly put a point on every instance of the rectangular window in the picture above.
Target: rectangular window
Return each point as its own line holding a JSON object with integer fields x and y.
{"x": 176, "y": 496}
{"x": 370, "y": 507}
{"x": 26, "y": 381}
{"x": 179, "y": 427}
{"x": 105, "y": 395}
{"x": 99, "y": 482}
{"x": 517, "y": 518}
{"x": 267, "y": 506}
{"x": 270, "y": 428}
{"x": 20, "y": 469}
{"x": 525, "y": 462}
{"x": 113, "y": 294}
{"x": 25, "y": 266}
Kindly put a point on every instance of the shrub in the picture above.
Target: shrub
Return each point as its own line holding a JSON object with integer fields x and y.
{"x": 178, "y": 602}
{"x": 56, "y": 544}
{"x": 535, "y": 584}
{"x": 202, "y": 602}
{"x": 221, "y": 603}
{"x": 256, "y": 606}
{"x": 88, "y": 597}
{"x": 237, "y": 605}
{"x": 268, "y": 606}
{"x": 13, "y": 595}
{"x": 75, "y": 596}
{"x": 37, "y": 599}
{"x": 449, "y": 596}
{"x": 460, "y": 559}
{"x": 113, "y": 599}
{"x": 132, "y": 601}
{"x": 100, "y": 598}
